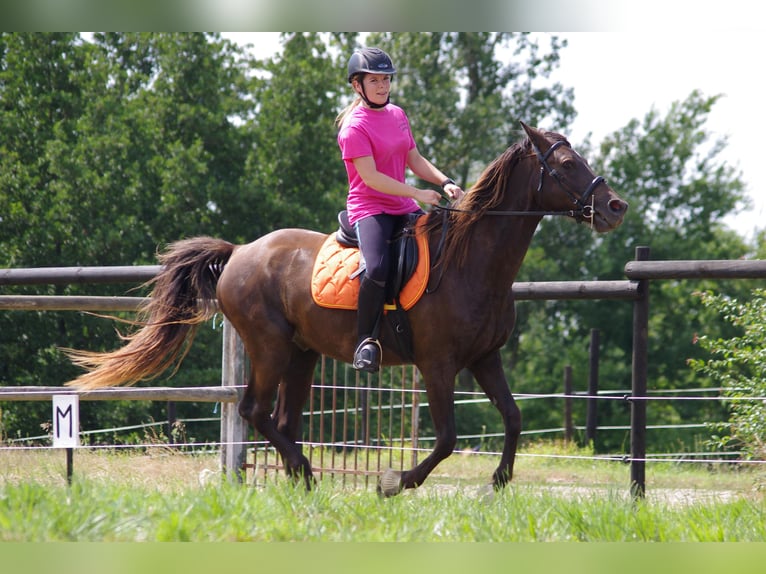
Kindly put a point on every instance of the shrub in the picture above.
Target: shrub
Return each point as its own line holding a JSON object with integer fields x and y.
{"x": 738, "y": 365}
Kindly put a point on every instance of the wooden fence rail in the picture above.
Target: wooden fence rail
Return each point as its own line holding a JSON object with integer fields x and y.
{"x": 696, "y": 269}
{"x": 70, "y": 275}
{"x": 176, "y": 394}
{"x": 69, "y": 303}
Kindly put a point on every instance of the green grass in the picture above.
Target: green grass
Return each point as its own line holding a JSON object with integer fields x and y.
{"x": 134, "y": 497}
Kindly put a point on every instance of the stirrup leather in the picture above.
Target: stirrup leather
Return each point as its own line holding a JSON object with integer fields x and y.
{"x": 367, "y": 355}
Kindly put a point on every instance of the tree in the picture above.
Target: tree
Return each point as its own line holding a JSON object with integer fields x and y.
{"x": 294, "y": 172}
{"x": 40, "y": 101}
{"x": 111, "y": 149}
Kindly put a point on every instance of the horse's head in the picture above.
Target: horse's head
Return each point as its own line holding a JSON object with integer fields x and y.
{"x": 566, "y": 182}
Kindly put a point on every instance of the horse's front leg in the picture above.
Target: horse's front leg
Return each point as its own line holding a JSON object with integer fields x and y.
{"x": 491, "y": 378}
{"x": 440, "y": 389}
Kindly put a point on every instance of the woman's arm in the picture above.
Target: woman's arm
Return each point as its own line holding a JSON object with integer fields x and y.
{"x": 368, "y": 171}
{"x": 427, "y": 171}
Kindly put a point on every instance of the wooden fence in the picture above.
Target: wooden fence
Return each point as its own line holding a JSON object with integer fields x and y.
{"x": 234, "y": 432}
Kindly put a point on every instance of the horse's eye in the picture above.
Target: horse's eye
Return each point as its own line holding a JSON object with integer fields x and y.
{"x": 568, "y": 164}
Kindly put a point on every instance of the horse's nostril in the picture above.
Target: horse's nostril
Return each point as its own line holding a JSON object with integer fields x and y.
{"x": 618, "y": 206}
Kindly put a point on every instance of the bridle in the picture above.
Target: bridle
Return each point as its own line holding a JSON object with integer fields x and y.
{"x": 583, "y": 211}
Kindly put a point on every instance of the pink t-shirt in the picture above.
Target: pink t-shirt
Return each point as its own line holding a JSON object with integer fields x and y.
{"x": 385, "y": 135}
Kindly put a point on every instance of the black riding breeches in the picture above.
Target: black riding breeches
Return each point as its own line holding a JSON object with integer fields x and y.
{"x": 374, "y": 235}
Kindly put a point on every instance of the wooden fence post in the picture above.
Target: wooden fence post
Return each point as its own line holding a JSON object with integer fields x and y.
{"x": 234, "y": 428}
{"x": 639, "y": 380}
{"x": 591, "y": 413}
{"x": 172, "y": 420}
{"x": 568, "y": 426}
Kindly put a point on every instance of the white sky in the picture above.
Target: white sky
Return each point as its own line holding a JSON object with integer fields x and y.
{"x": 618, "y": 76}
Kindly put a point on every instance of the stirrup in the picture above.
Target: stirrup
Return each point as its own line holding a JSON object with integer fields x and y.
{"x": 367, "y": 356}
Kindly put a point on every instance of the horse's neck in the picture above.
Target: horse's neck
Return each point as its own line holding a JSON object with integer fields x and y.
{"x": 499, "y": 248}
{"x": 500, "y": 242}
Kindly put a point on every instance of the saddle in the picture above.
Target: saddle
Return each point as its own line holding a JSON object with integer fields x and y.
{"x": 338, "y": 268}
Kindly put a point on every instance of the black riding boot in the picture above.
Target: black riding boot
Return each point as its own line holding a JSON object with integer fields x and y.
{"x": 372, "y": 295}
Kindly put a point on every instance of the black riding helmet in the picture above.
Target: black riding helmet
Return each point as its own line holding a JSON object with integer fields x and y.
{"x": 370, "y": 61}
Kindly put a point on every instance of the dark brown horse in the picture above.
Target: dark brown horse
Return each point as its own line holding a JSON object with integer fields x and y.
{"x": 263, "y": 288}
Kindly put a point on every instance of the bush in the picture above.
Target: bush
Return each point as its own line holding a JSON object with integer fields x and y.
{"x": 738, "y": 365}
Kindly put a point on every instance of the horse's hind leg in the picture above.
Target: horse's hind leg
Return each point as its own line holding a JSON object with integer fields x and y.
{"x": 491, "y": 378}
{"x": 292, "y": 369}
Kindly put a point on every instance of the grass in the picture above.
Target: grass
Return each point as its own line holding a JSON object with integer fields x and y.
{"x": 160, "y": 497}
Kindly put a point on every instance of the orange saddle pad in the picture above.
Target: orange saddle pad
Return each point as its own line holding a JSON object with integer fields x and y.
{"x": 331, "y": 283}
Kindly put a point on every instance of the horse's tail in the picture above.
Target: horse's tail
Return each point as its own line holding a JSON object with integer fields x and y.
{"x": 182, "y": 297}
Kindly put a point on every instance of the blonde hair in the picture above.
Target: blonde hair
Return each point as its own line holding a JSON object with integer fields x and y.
{"x": 345, "y": 112}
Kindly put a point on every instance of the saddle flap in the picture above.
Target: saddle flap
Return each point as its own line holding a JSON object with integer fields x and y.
{"x": 404, "y": 261}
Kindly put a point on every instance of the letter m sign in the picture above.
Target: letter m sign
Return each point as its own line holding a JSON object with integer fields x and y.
{"x": 66, "y": 421}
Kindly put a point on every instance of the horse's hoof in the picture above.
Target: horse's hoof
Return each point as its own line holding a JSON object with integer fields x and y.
{"x": 390, "y": 483}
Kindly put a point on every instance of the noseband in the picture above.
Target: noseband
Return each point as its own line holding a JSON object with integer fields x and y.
{"x": 584, "y": 211}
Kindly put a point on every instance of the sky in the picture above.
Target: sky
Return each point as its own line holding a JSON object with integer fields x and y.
{"x": 619, "y": 76}
{"x": 623, "y": 75}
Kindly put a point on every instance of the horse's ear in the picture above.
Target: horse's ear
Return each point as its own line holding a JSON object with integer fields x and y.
{"x": 536, "y": 137}
{"x": 527, "y": 129}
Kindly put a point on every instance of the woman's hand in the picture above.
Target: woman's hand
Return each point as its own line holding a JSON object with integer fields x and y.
{"x": 453, "y": 190}
{"x": 427, "y": 196}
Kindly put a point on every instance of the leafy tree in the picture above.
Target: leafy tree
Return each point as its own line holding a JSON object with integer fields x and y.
{"x": 40, "y": 100}
{"x": 294, "y": 173}
{"x": 111, "y": 149}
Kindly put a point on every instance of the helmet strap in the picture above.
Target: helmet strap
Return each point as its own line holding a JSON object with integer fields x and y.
{"x": 367, "y": 101}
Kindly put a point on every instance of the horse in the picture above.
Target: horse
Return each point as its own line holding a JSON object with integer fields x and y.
{"x": 464, "y": 318}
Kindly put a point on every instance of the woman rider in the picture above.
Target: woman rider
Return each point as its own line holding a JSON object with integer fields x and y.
{"x": 377, "y": 146}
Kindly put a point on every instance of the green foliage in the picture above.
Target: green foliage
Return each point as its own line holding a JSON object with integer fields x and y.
{"x": 466, "y": 92}
{"x": 738, "y": 366}
{"x": 108, "y": 150}
{"x": 294, "y": 174}
{"x": 669, "y": 170}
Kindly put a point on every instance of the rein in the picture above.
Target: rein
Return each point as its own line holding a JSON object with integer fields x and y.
{"x": 585, "y": 212}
